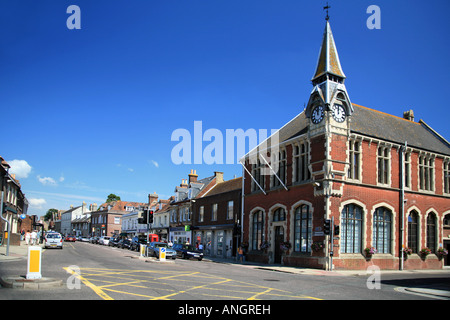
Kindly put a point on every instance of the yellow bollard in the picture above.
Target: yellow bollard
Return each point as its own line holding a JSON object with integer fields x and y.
{"x": 142, "y": 250}
{"x": 162, "y": 254}
{"x": 34, "y": 262}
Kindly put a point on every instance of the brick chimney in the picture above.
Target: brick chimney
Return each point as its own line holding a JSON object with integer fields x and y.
{"x": 193, "y": 176}
{"x": 219, "y": 176}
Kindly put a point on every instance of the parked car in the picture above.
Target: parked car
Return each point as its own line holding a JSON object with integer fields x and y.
{"x": 53, "y": 240}
{"x": 84, "y": 239}
{"x": 113, "y": 241}
{"x": 136, "y": 242}
{"x": 104, "y": 240}
{"x": 70, "y": 238}
{"x": 187, "y": 251}
{"x": 124, "y": 244}
{"x": 93, "y": 239}
{"x": 153, "y": 250}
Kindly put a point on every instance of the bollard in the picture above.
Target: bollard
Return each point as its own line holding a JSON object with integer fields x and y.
{"x": 34, "y": 262}
{"x": 142, "y": 250}
{"x": 162, "y": 254}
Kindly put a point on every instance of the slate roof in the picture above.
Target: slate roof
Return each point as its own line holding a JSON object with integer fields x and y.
{"x": 226, "y": 186}
{"x": 387, "y": 127}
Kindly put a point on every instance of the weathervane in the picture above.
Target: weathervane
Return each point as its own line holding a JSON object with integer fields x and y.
{"x": 326, "y": 8}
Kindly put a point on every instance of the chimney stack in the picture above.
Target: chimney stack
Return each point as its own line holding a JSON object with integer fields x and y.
{"x": 184, "y": 183}
{"x": 408, "y": 115}
{"x": 219, "y": 176}
{"x": 193, "y": 176}
{"x": 152, "y": 198}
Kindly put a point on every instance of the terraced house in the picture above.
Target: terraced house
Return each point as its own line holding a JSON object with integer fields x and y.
{"x": 14, "y": 206}
{"x": 383, "y": 180}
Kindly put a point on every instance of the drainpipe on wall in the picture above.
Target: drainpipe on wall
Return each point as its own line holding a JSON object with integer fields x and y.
{"x": 402, "y": 201}
{"x": 242, "y": 204}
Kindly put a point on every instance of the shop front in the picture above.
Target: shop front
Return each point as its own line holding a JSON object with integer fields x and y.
{"x": 180, "y": 235}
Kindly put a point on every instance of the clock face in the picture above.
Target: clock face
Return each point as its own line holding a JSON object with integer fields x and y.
{"x": 338, "y": 113}
{"x": 317, "y": 114}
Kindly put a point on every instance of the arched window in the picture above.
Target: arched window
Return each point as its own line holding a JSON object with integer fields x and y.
{"x": 382, "y": 224}
{"x": 303, "y": 229}
{"x": 279, "y": 215}
{"x": 351, "y": 226}
{"x": 431, "y": 232}
{"x": 413, "y": 231}
{"x": 257, "y": 230}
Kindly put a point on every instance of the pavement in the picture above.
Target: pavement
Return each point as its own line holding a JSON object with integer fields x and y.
{"x": 18, "y": 253}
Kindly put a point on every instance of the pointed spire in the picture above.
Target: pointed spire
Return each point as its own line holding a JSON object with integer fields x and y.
{"x": 328, "y": 62}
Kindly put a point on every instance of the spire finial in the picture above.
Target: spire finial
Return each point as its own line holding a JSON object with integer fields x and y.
{"x": 326, "y": 8}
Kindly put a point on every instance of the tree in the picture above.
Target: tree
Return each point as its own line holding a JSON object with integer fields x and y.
{"x": 50, "y": 215}
{"x": 112, "y": 197}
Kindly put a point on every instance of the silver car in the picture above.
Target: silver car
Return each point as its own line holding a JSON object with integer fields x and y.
{"x": 53, "y": 240}
{"x": 153, "y": 250}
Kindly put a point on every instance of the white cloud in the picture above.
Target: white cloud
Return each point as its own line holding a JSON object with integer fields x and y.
{"x": 20, "y": 168}
{"x": 61, "y": 179}
{"x": 37, "y": 203}
{"x": 47, "y": 181}
{"x": 156, "y": 164}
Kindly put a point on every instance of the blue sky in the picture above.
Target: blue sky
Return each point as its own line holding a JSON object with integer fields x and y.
{"x": 91, "y": 112}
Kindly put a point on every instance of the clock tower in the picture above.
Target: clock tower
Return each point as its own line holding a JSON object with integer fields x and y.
{"x": 329, "y": 111}
{"x": 329, "y": 101}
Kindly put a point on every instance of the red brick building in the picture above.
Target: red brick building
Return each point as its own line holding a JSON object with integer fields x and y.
{"x": 107, "y": 220}
{"x": 383, "y": 180}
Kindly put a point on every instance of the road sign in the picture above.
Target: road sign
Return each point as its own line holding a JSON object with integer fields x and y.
{"x": 162, "y": 254}
{"x": 34, "y": 262}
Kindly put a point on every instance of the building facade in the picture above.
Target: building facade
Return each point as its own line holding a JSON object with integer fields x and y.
{"x": 14, "y": 205}
{"x": 215, "y": 219}
{"x": 382, "y": 180}
{"x": 70, "y": 219}
{"x": 107, "y": 220}
{"x": 180, "y": 212}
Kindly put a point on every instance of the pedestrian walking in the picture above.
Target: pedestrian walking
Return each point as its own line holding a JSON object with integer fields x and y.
{"x": 33, "y": 237}
{"x": 241, "y": 254}
{"x": 27, "y": 237}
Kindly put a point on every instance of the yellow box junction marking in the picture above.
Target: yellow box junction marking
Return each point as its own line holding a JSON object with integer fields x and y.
{"x": 123, "y": 281}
